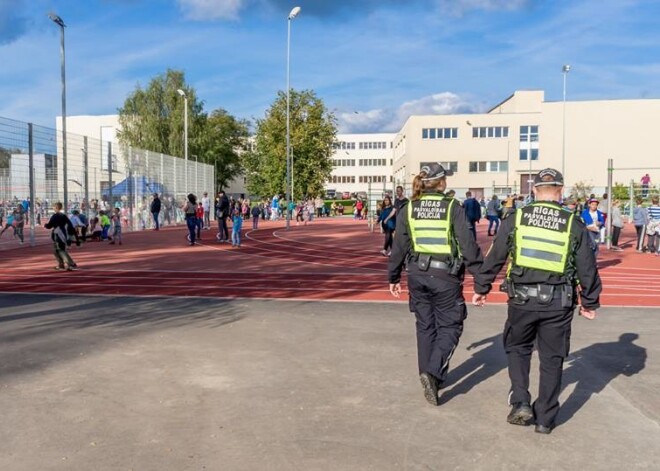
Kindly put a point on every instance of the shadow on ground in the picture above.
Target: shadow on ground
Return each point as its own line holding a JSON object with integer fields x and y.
{"x": 37, "y": 331}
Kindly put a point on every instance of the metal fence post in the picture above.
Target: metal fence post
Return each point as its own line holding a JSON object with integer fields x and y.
{"x": 632, "y": 200}
{"x": 110, "y": 174}
{"x": 86, "y": 176}
{"x": 610, "y": 167}
{"x": 31, "y": 169}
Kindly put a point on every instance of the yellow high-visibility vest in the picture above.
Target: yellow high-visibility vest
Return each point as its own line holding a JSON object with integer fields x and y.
{"x": 542, "y": 237}
{"x": 430, "y": 224}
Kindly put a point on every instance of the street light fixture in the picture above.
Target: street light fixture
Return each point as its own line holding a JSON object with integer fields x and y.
{"x": 185, "y": 135}
{"x": 565, "y": 71}
{"x": 59, "y": 22}
{"x": 289, "y": 164}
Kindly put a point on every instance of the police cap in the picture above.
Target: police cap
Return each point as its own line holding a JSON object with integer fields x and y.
{"x": 549, "y": 177}
{"x": 435, "y": 170}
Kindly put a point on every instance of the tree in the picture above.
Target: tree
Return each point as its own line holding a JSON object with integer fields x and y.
{"x": 153, "y": 118}
{"x": 312, "y": 129}
{"x": 222, "y": 140}
{"x": 581, "y": 190}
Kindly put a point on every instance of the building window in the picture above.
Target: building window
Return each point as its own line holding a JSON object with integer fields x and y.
{"x": 440, "y": 133}
{"x": 490, "y": 131}
{"x": 453, "y": 166}
{"x": 529, "y": 133}
{"x": 524, "y": 154}
{"x": 491, "y": 167}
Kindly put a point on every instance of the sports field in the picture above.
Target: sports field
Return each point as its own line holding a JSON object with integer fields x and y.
{"x": 331, "y": 259}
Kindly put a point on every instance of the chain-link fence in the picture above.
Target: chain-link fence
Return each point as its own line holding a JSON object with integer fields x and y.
{"x": 40, "y": 166}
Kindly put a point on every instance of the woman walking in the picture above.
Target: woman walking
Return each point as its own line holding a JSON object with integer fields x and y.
{"x": 493, "y": 211}
{"x": 190, "y": 211}
{"x": 617, "y": 225}
{"x": 433, "y": 241}
{"x": 387, "y": 223}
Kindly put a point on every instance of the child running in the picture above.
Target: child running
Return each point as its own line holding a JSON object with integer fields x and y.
{"x": 237, "y": 223}
{"x": 62, "y": 232}
{"x": 116, "y": 224}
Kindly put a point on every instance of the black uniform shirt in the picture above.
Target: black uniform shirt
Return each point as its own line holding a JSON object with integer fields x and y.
{"x": 584, "y": 261}
{"x": 402, "y": 249}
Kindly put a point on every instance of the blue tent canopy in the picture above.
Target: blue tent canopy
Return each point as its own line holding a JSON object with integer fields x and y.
{"x": 135, "y": 185}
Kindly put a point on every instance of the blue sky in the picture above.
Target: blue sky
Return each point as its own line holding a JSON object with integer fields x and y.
{"x": 385, "y": 59}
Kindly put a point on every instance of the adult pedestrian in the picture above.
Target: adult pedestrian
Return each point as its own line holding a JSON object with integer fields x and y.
{"x": 472, "y": 212}
{"x": 617, "y": 225}
{"x": 256, "y": 212}
{"x": 550, "y": 254}
{"x": 62, "y": 233}
{"x": 387, "y": 224}
{"x": 155, "y": 210}
{"x": 206, "y": 204}
{"x": 645, "y": 181}
{"x": 433, "y": 242}
{"x": 190, "y": 212}
{"x": 222, "y": 213}
{"x": 640, "y": 220}
{"x": 493, "y": 211}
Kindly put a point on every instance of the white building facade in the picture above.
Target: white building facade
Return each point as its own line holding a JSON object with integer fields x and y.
{"x": 361, "y": 162}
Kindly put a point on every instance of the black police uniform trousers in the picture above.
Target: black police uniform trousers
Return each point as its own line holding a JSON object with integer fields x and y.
{"x": 550, "y": 328}
{"x": 440, "y": 311}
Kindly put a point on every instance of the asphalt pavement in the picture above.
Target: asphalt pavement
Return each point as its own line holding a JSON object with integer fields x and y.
{"x": 119, "y": 383}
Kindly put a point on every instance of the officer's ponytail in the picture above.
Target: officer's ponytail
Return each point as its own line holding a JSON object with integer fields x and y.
{"x": 418, "y": 185}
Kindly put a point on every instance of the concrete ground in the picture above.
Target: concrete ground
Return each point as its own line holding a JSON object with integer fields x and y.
{"x": 112, "y": 383}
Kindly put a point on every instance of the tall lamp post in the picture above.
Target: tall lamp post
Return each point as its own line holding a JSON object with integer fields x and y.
{"x": 565, "y": 71}
{"x": 59, "y": 22}
{"x": 185, "y": 136}
{"x": 292, "y": 15}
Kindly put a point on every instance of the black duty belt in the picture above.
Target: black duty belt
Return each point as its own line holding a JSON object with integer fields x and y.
{"x": 438, "y": 265}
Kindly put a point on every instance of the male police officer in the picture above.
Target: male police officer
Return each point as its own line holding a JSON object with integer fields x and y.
{"x": 432, "y": 238}
{"x": 550, "y": 250}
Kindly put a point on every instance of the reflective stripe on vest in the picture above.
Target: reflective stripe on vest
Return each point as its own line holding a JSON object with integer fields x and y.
{"x": 542, "y": 240}
{"x": 430, "y": 226}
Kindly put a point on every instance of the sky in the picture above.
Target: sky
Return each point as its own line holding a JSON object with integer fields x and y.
{"x": 373, "y": 62}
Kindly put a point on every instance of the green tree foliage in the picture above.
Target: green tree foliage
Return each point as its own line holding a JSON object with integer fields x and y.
{"x": 313, "y": 131}
{"x": 581, "y": 190}
{"x": 620, "y": 191}
{"x": 153, "y": 118}
{"x": 222, "y": 140}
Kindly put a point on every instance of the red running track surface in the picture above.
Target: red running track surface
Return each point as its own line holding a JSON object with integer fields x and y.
{"x": 331, "y": 259}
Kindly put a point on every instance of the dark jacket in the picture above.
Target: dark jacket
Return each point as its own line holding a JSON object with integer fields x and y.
{"x": 222, "y": 207}
{"x": 472, "y": 209}
{"x": 155, "y": 205}
{"x": 402, "y": 250}
{"x": 582, "y": 253}
{"x": 62, "y": 231}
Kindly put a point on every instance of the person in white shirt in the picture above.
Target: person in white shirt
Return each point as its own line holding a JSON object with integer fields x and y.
{"x": 206, "y": 204}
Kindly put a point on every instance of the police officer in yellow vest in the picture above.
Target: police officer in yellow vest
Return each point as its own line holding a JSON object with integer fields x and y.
{"x": 550, "y": 255}
{"x": 434, "y": 242}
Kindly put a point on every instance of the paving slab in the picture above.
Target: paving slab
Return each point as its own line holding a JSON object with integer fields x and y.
{"x": 116, "y": 383}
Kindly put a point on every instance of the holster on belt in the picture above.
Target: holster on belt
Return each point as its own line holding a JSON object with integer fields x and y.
{"x": 423, "y": 262}
{"x": 520, "y": 295}
{"x": 567, "y": 296}
{"x": 545, "y": 294}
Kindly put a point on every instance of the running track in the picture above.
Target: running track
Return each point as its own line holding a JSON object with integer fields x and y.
{"x": 332, "y": 259}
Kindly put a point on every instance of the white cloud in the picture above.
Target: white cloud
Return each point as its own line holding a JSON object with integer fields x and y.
{"x": 461, "y": 6}
{"x": 211, "y": 9}
{"x": 392, "y": 119}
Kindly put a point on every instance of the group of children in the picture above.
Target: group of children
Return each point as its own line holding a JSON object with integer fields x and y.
{"x": 98, "y": 227}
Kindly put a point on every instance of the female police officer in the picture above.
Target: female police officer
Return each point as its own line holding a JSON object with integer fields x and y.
{"x": 551, "y": 253}
{"x": 433, "y": 239}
